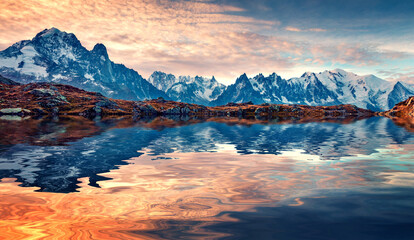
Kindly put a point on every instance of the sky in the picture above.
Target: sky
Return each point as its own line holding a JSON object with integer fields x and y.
{"x": 226, "y": 38}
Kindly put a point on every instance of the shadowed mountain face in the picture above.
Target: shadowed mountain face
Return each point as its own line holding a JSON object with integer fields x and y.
{"x": 399, "y": 93}
{"x": 53, "y": 154}
{"x": 7, "y": 81}
{"x": 59, "y": 57}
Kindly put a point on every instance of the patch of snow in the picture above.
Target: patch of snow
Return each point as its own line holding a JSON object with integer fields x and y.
{"x": 284, "y": 99}
{"x": 89, "y": 77}
{"x": 26, "y": 62}
{"x": 58, "y": 77}
{"x": 68, "y": 53}
{"x": 177, "y": 87}
{"x": 50, "y": 32}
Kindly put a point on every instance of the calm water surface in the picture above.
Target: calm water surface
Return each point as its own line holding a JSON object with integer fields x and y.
{"x": 159, "y": 179}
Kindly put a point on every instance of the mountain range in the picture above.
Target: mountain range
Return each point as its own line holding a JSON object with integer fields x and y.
{"x": 59, "y": 57}
{"x": 324, "y": 88}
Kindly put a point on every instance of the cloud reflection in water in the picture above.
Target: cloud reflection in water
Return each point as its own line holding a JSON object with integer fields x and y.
{"x": 192, "y": 181}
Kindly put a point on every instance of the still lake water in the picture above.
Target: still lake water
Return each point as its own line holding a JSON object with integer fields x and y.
{"x": 160, "y": 179}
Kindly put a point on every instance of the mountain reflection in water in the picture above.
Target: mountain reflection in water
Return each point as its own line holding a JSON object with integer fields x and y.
{"x": 207, "y": 180}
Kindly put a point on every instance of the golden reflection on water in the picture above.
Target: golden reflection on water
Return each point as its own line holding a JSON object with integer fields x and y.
{"x": 144, "y": 195}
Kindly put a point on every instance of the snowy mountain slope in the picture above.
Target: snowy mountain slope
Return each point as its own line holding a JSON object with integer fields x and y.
{"x": 199, "y": 90}
{"x": 273, "y": 89}
{"x": 56, "y": 56}
{"x": 325, "y": 88}
{"x": 162, "y": 81}
{"x": 358, "y": 90}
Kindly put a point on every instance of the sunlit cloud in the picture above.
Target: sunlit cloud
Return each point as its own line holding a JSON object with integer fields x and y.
{"x": 356, "y": 54}
{"x": 317, "y": 30}
{"x": 402, "y": 75}
{"x": 294, "y": 29}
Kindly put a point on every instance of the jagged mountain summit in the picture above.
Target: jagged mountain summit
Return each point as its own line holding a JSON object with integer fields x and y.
{"x": 59, "y": 57}
{"x": 325, "y": 88}
{"x": 199, "y": 90}
{"x": 162, "y": 81}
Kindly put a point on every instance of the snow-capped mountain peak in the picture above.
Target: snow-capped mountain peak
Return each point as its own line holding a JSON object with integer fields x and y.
{"x": 308, "y": 75}
{"x": 48, "y": 32}
{"x": 162, "y": 81}
{"x": 100, "y": 50}
{"x": 196, "y": 89}
{"x": 339, "y": 71}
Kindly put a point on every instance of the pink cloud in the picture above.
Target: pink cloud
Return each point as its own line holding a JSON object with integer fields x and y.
{"x": 295, "y": 29}
{"x": 403, "y": 75}
{"x": 355, "y": 54}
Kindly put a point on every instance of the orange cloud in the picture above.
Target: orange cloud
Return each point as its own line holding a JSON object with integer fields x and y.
{"x": 294, "y": 29}
{"x": 402, "y": 75}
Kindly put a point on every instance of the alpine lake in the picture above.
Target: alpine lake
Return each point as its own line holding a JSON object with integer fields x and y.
{"x": 176, "y": 178}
